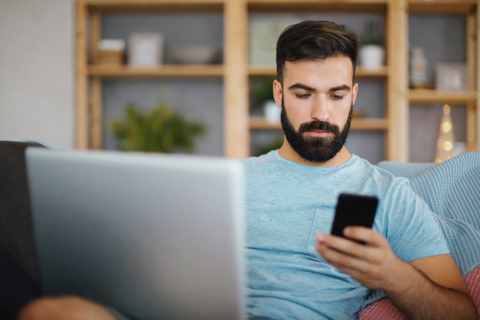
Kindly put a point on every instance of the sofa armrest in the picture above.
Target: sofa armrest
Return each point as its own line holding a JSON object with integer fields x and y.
{"x": 383, "y": 309}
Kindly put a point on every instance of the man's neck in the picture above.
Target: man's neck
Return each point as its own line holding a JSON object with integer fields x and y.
{"x": 287, "y": 152}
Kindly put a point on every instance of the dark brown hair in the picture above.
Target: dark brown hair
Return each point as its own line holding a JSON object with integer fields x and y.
{"x": 314, "y": 40}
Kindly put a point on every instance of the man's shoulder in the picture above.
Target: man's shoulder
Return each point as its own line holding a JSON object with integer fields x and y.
{"x": 264, "y": 163}
{"x": 380, "y": 177}
{"x": 263, "y": 159}
{"x": 364, "y": 167}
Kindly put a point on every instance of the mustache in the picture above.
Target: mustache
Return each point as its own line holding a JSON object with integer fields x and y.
{"x": 319, "y": 125}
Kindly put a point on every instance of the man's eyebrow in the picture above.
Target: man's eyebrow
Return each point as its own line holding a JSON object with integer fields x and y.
{"x": 301, "y": 86}
{"x": 344, "y": 87}
{"x": 305, "y": 87}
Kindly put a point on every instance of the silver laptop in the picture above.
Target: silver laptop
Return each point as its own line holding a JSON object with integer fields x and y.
{"x": 154, "y": 236}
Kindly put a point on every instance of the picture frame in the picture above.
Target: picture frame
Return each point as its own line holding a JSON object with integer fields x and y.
{"x": 452, "y": 77}
{"x": 264, "y": 33}
{"x": 145, "y": 49}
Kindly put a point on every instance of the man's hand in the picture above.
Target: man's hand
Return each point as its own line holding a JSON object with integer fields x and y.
{"x": 65, "y": 308}
{"x": 426, "y": 288}
{"x": 372, "y": 264}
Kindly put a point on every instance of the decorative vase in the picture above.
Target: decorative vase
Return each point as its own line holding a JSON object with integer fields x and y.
{"x": 372, "y": 56}
{"x": 418, "y": 68}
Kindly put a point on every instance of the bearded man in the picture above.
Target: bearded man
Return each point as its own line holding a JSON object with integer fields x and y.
{"x": 296, "y": 270}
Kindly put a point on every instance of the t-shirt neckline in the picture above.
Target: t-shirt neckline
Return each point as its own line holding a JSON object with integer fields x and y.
{"x": 293, "y": 163}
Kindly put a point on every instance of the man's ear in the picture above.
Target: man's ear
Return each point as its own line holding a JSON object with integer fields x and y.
{"x": 354, "y": 93}
{"x": 277, "y": 92}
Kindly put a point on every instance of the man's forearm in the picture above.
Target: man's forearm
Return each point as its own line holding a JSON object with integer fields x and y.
{"x": 419, "y": 298}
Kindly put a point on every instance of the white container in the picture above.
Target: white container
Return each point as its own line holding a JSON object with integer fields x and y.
{"x": 145, "y": 49}
{"x": 193, "y": 54}
{"x": 372, "y": 57}
{"x": 272, "y": 112}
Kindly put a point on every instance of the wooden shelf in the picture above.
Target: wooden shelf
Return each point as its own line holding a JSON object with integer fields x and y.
{"x": 156, "y": 6}
{"x": 357, "y": 6}
{"x": 262, "y": 71}
{"x": 161, "y": 71}
{"x": 369, "y": 124}
{"x": 441, "y": 6}
{"x": 433, "y": 96}
{"x": 360, "y": 72}
{"x": 125, "y": 71}
{"x": 259, "y": 123}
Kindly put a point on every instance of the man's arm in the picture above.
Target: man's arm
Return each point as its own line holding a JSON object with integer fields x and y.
{"x": 427, "y": 288}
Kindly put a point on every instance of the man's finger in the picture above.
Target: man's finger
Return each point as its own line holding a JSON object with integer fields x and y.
{"x": 343, "y": 261}
{"x": 345, "y": 246}
{"x": 367, "y": 235}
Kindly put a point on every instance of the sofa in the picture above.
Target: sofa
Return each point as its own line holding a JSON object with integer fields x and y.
{"x": 451, "y": 189}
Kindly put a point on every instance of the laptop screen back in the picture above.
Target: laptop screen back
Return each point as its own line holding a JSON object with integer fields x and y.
{"x": 154, "y": 236}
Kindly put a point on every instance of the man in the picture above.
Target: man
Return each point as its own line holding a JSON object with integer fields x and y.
{"x": 295, "y": 269}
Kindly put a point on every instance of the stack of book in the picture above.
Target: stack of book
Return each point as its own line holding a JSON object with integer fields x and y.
{"x": 110, "y": 51}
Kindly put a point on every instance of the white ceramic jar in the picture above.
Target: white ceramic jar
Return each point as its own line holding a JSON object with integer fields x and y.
{"x": 272, "y": 112}
{"x": 372, "y": 57}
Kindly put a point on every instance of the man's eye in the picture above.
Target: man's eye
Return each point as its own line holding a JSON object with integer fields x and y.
{"x": 337, "y": 97}
{"x": 303, "y": 96}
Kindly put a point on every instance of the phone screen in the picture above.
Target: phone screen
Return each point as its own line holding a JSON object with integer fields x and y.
{"x": 354, "y": 210}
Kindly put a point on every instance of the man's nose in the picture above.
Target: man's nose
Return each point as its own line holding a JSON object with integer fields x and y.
{"x": 320, "y": 109}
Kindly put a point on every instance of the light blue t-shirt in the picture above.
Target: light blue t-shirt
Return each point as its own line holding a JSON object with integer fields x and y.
{"x": 288, "y": 203}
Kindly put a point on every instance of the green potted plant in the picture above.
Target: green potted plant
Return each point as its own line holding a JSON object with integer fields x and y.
{"x": 158, "y": 130}
{"x": 372, "y": 52}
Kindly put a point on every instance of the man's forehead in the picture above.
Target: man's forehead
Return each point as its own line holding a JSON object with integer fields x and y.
{"x": 338, "y": 68}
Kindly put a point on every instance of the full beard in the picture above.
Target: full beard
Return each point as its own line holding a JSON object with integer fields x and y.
{"x": 315, "y": 149}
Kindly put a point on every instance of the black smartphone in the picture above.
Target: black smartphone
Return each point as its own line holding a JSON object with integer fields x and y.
{"x": 354, "y": 210}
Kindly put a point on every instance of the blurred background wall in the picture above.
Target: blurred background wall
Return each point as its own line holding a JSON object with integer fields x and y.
{"x": 37, "y": 71}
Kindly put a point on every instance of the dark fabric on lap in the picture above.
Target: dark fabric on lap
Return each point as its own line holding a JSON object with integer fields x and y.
{"x": 17, "y": 289}
{"x": 16, "y": 230}
{"x": 18, "y": 261}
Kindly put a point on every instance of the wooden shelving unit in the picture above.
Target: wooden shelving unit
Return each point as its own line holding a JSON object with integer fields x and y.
{"x": 469, "y": 8}
{"x": 91, "y": 76}
{"x": 235, "y": 71}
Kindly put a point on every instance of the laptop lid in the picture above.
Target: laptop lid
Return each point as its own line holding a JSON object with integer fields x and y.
{"x": 154, "y": 236}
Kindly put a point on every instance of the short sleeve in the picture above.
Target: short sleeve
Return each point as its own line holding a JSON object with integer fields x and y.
{"x": 410, "y": 226}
